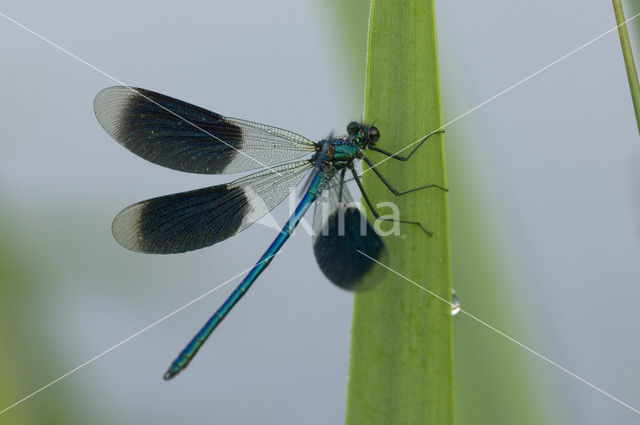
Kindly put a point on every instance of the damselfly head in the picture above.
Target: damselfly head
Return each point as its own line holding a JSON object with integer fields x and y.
{"x": 364, "y": 135}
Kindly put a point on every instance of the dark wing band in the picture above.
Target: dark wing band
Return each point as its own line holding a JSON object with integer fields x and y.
{"x": 340, "y": 231}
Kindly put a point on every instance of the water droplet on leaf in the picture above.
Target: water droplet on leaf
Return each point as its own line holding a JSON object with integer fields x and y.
{"x": 455, "y": 302}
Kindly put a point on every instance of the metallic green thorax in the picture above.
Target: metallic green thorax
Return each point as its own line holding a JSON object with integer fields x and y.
{"x": 342, "y": 151}
{"x": 345, "y": 153}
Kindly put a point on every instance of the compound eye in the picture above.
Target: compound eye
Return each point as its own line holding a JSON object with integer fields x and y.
{"x": 353, "y": 128}
{"x": 374, "y": 134}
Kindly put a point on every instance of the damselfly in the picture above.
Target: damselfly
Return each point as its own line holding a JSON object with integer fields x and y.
{"x": 184, "y": 137}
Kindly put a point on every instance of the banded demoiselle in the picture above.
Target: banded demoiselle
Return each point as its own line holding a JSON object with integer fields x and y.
{"x": 184, "y": 137}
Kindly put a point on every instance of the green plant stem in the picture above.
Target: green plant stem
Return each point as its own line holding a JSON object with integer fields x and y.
{"x": 401, "y": 353}
{"x": 629, "y": 63}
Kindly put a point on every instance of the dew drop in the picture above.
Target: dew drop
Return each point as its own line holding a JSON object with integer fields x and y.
{"x": 455, "y": 302}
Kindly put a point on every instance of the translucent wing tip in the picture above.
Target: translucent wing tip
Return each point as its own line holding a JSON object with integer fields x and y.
{"x": 110, "y": 105}
{"x": 126, "y": 229}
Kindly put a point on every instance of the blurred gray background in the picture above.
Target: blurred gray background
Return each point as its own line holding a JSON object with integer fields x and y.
{"x": 549, "y": 172}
